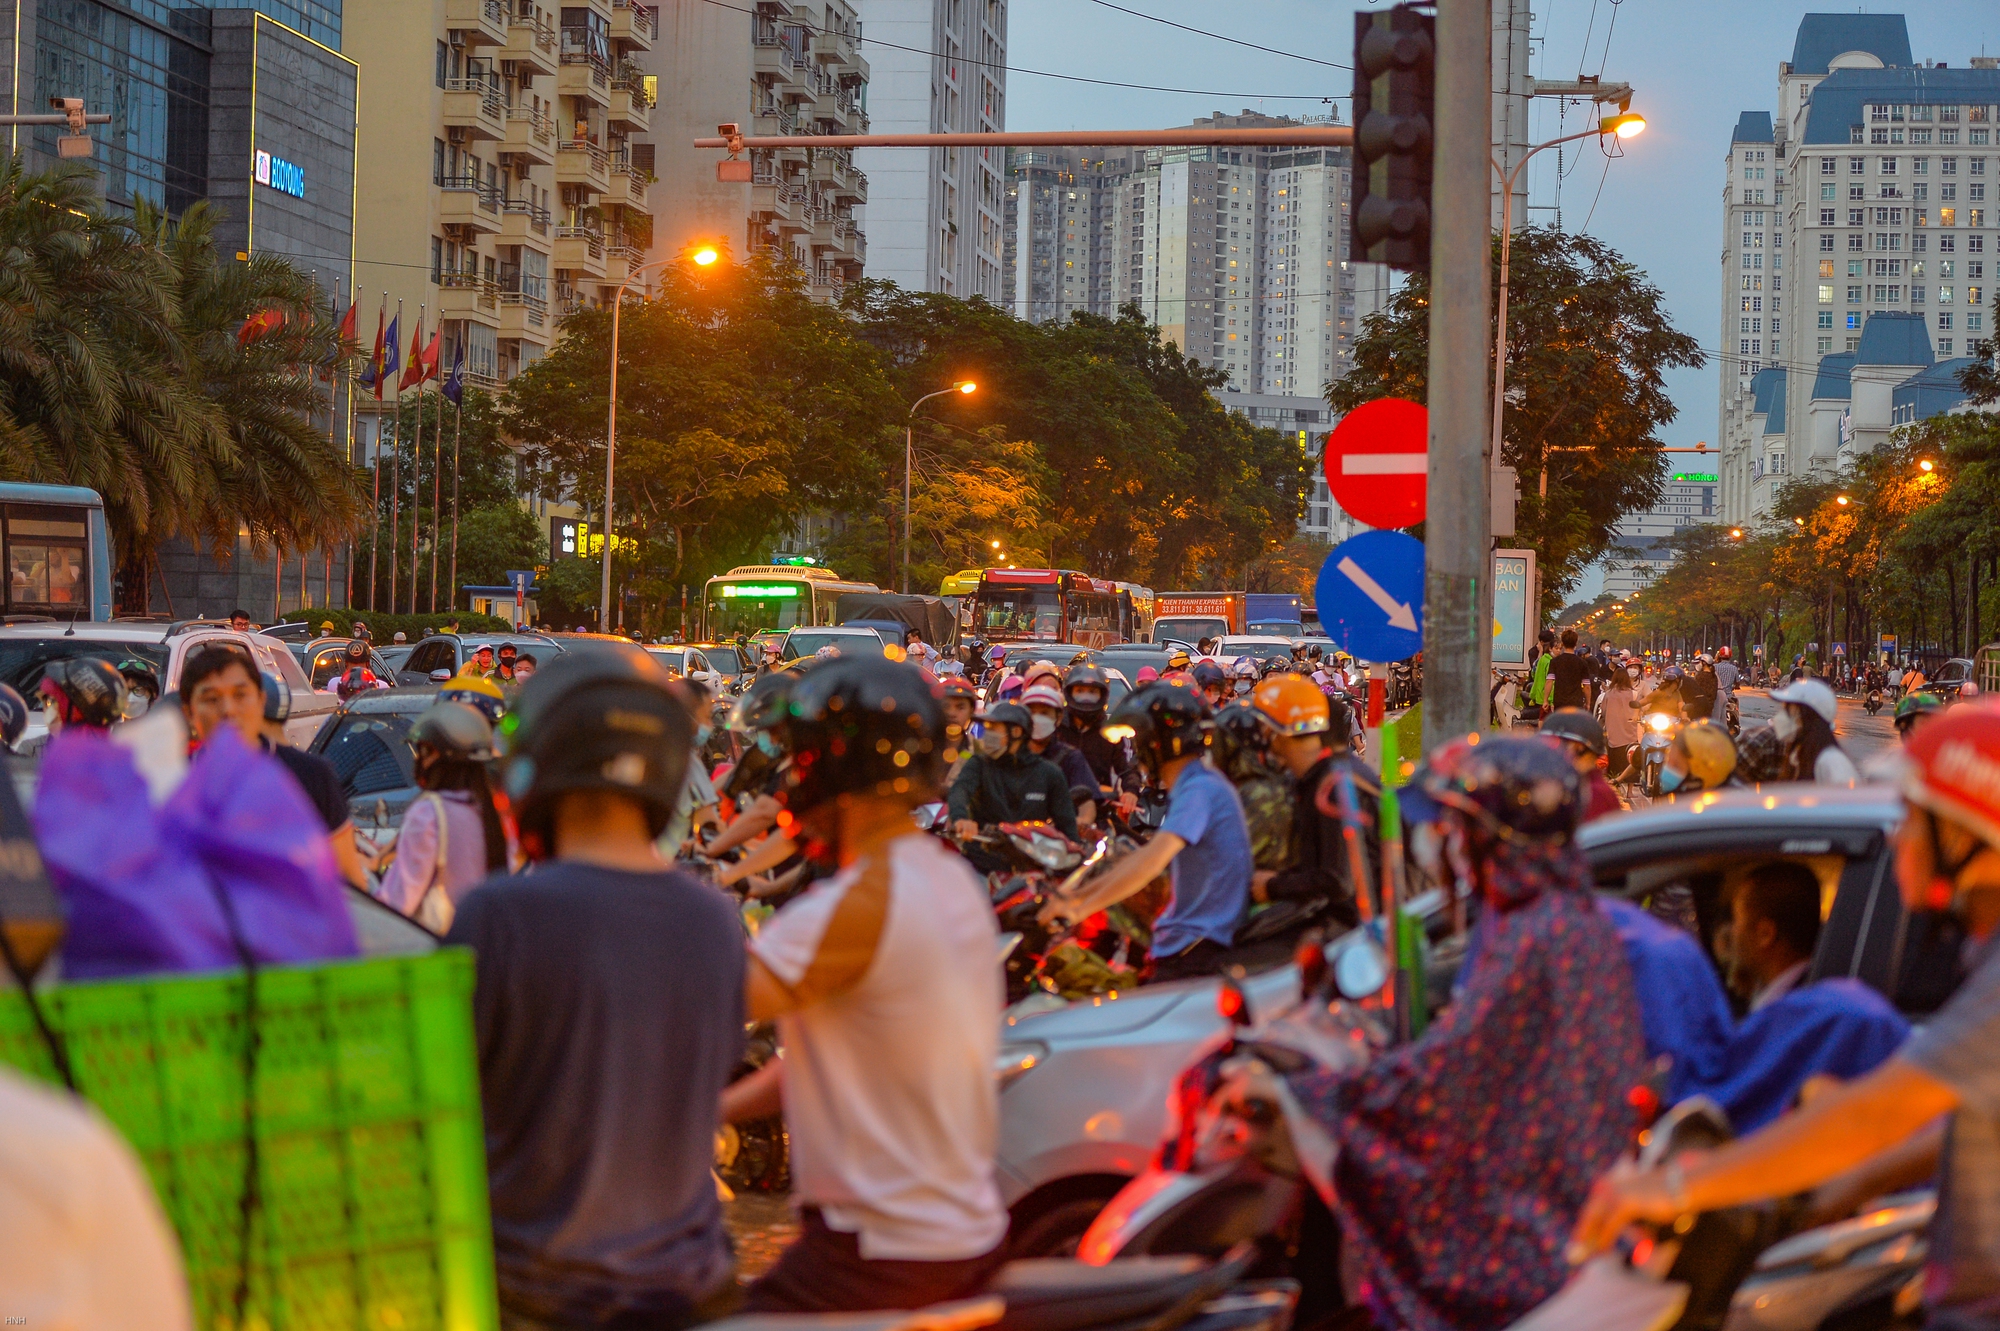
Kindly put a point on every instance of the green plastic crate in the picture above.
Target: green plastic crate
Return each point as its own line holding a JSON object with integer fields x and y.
{"x": 372, "y": 1164}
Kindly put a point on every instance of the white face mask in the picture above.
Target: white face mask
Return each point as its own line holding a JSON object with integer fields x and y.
{"x": 1042, "y": 726}
{"x": 1785, "y": 725}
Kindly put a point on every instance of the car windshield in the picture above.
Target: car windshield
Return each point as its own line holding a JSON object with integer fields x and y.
{"x": 370, "y": 752}
{"x": 330, "y": 661}
{"x": 724, "y": 659}
{"x": 1254, "y": 647}
{"x": 1017, "y": 612}
{"x": 1193, "y": 628}
{"x": 23, "y": 661}
{"x": 805, "y": 642}
{"x": 673, "y": 658}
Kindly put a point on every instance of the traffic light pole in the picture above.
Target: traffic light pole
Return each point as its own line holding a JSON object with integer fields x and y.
{"x": 1458, "y": 573}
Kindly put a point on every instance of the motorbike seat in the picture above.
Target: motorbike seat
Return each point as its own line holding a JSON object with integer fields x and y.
{"x": 1056, "y": 1294}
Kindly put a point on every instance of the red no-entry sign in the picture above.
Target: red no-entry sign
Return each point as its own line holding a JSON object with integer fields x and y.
{"x": 1377, "y": 462}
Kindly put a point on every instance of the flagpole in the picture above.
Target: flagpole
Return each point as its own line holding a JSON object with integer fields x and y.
{"x": 457, "y": 419}
{"x": 332, "y": 436}
{"x": 416, "y": 367}
{"x": 396, "y": 478}
{"x": 437, "y": 489}
{"x": 375, "y": 518}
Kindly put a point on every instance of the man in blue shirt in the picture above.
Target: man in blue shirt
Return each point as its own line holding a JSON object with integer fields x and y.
{"x": 1204, "y": 841}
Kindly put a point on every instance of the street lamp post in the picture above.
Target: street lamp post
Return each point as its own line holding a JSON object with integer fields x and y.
{"x": 1625, "y": 126}
{"x": 703, "y": 256}
{"x": 909, "y": 453}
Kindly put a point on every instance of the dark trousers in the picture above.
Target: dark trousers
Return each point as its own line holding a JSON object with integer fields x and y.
{"x": 1198, "y": 959}
{"x": 824, "y": 1272}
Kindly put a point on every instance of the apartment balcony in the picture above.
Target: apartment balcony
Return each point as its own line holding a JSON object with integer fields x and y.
{"x": 484, "y": 22}
{"x": 524, "y": 317}
{"x": 620, "y": 262}
{"x": 525, "y": 223}
{"x": 635, "y": 25}
{"x": 580, "y": 249}
{"x": 836, "y": 48}
{"x": 602, "y": 7}
{"x": 530, "y": 134}
{"x": 584, "y": 76}
{"x": 531, "y": 39}
{"x": 632, "y": 98}
{"x": 584, "y": 164}
{"x": 628, "y": 187}
{"x": 837, "y": 176}
{"x": 468, "y": 296}
{"x": 774, "y": 118}
{"x": 476, "y": 106}
{"x": 465, "y": 202}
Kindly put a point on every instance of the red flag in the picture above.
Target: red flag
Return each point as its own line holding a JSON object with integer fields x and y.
{"x": 375, "y": 374}
{"x": 343, "y": 339}
{"x": 262, "y": 322}
{"x": 347, "y": 324}
{"x": 429, "y": 360}
{"x": 413, "y": 373}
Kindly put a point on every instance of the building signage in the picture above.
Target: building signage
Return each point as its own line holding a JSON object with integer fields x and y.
{"x": 1697, "y": 477}
{"x": 567, "y": 537}
{"x": 281, "y": 175}
{"x": 1515, "y": 602}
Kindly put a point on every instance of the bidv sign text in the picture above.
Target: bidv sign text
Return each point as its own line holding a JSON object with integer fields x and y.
{"x": 281, "y": 175}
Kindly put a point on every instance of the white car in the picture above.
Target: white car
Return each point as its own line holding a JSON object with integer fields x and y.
{"x": 689, "y": 662}
{"x": 849, "y": 641}
{"x": 27, "y": 649}
{"x": 1258, "y": 647}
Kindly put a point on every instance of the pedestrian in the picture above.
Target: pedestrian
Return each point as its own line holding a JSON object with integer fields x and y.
{"x": 452, "y": 836}
{"x": 1879, "y": 1133}
{"x": 1621, "y": 723}
{"x": 608, "y": 1007}
{"x": 1725, "y": 686}
{"x": 1804, "y": 723}
{"x": 1539, "y": 688}
{"x": 1569, "y": 674}
{"x": 891, "y": 1107}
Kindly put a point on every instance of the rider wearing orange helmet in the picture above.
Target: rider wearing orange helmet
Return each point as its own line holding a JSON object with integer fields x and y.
{"x": 1881, "y": 1131}
{"x": 1312, "y": 736}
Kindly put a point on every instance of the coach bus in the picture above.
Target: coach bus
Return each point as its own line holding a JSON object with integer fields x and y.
{"x": 770, "y": 598}
{"x": 1047, "y": 605}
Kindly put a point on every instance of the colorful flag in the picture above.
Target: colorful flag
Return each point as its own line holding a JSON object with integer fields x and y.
{"x": 343, "y": 339}
{"x": 428, "y": 362}
{"x": 371, "y": 375}
{"x": 262, "y": 322}
{"x": 454, "y": 384}
{"x": 389, "y": 356}
{"x": 413, "y": 373}
{"x": 347, "y": 324}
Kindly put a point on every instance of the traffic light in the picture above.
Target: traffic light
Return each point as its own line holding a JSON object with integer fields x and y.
{"x": 1395, "y": 93}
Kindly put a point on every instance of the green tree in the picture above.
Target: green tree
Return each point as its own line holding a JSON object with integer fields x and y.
{"x": 1589, "y": 342}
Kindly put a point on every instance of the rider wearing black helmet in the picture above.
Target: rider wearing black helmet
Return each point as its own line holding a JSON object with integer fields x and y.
{"x": 452, "y": 836}
{"x": 762, "y": 715}
{"x": 1204, "y": 838}
{"x": 13, "y": 717}
{"x": 1086, "y": 690}
{"x": 1007, "y": 782}
{"x": 83, "y": 691}
{"x": 889, "y": 1097}
{"x": 1582, "y": 738}
{"x": 608, "y": 1008}
{"x": 1242, "y": 752}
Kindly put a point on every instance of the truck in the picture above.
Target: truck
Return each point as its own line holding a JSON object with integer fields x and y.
{"x": 1190, "y": 617}
{"x": 1282, "y": 616}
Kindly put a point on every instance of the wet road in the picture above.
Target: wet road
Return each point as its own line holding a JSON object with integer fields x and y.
{"x": 761, "y": 1224}
{"x": 1862, "y": 735}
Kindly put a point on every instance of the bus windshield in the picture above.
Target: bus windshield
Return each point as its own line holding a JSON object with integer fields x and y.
{"x": 1019, "y": 612}
{"x": 753, "y": 605}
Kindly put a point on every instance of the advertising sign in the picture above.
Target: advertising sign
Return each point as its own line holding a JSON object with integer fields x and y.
{"x": 1514, "y": 600}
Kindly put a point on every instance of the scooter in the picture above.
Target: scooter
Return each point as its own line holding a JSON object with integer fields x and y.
{"x": 1260, "y": 1170}
{"x": 1747, "y": 1268}
{"x": 1655, "y": 738}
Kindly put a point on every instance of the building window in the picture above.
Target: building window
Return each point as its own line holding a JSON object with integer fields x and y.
{"x": 1944, "y": 346}
{"x": 443, "y": 63}
{"x": 1826, "y": 318}
{"x": 1853, "y": 320}
{"x": 1826, "y": 293}
{"x": 1826, "y": 166}
{"x": 1824, "y": 345}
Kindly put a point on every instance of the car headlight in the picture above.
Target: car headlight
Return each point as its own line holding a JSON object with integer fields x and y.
{"x": 1016, "y": 1058}
{"x": 1659, "y": 721}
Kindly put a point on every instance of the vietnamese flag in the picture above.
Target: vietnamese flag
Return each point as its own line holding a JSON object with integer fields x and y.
{"x": 262, "y": 322}
{"x": 428, "y": 361}
{"x": 413, "y": 373}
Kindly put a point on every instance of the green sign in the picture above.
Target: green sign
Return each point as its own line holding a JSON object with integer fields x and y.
{"x": 1696, "y": 476}
{"x": 760, "y": 592}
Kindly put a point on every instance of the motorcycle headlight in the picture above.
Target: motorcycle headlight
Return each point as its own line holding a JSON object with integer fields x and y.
{"x": 1659, "y": 721}
{"x": 1016, "y": 1058}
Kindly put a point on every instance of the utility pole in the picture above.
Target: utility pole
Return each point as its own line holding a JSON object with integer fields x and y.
{"x": 1513, "y": 85}
{"x": 1458, "y": 574}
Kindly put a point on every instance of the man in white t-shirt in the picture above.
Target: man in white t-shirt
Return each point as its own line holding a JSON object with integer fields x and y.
{"x": 885, "y": 983}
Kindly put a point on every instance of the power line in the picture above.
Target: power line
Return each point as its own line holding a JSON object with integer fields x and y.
{"x": 1233, "y": 41}
{"x": 1045, "y": 74}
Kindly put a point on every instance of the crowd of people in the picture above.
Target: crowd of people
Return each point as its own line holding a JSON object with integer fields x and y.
{"x": 595, "y": 849}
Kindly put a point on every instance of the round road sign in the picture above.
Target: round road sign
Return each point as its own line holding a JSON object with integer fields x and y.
{"x": 1377, "y": 462}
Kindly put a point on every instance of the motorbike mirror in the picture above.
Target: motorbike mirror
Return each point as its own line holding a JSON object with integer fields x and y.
{"x": 1360, "y": 971}
{"x": 1231, "y": 1003}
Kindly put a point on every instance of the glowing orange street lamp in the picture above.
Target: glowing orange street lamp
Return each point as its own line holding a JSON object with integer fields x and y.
{"x": 966, "y": 386}
{"x": 1842, "y": 500}
{"x": 1927, "y": 466}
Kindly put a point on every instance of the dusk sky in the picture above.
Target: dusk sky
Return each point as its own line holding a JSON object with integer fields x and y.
{"x": 1695, "y": 64}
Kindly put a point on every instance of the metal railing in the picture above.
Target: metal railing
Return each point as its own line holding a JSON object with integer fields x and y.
{"x": 491, "y": 102}
{"x": 527, "y": 14}
{"x": 485, "y": 294}
{"x": 596, "y": 157}
{"x": 633, "y": 83}
{"x": 538, "y": 216}
{"x": 486, "y": 196}
{"x": 593, "y": 239}
{"x": 644, "y": 17}
{"x": 536, "y": 307}
{"x": 541, "y": 125}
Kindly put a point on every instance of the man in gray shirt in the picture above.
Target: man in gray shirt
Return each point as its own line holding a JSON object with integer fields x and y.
{"x": 1947, "y": 858}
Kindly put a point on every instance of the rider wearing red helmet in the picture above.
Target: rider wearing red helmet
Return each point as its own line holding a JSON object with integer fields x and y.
{"x": 1884, "y": 1127}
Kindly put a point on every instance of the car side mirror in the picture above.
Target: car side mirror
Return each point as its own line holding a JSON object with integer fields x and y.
{"x": 440, "y": 676}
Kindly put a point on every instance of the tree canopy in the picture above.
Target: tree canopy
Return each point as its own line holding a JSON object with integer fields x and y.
{"x": 1588, "y": 345}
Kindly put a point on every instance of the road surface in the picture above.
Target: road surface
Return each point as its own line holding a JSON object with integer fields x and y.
{"x": 1862, "y": 735}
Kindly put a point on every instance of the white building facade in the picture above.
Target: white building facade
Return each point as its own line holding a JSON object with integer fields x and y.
{"x": 1691, "y": 499}
{"x": 1872, "y": 189}
{"x": 934, "y": 218}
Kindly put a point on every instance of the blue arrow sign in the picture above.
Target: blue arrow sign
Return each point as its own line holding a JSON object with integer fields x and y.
{"x": 1371, "y": 595}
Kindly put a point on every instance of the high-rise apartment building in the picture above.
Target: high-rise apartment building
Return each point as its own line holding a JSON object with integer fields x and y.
{"x": 934, "y": 217}
{"x": 1872, "y": 190}
{"x": 1691, "y": 499}
{"x": 1239, "y": 255}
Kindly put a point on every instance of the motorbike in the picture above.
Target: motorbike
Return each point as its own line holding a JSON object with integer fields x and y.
{"x": 1656, "y": 736}
{"x": 1259, "y": 1169}
{"x": 1874, "y": 701}
{"x": 1748, "y": 1268}
{"x": 1733, "y": 715}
